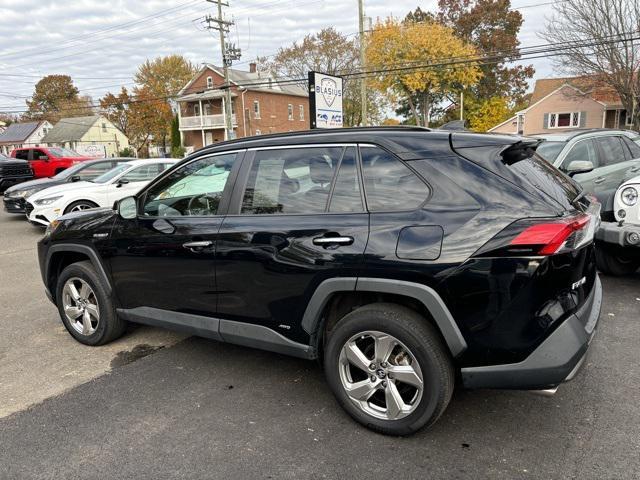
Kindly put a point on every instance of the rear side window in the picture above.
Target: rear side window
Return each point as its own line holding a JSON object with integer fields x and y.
{"x": 22, "y": 154}
{"x": 291, "y": 180}
{"x": 143, "y": 173}
{"x": 95, "y": 170}
{"x": 634, "y": 148}
{"x": 389, "y": 184}
{"x": 611, "y": 150}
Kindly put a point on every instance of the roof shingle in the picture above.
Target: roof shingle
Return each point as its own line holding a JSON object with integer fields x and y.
{"x": 18, "y": 132}
{"x": 70, "y": 129}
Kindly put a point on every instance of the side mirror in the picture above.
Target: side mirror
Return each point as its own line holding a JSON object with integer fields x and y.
{"x": 579, "y": 166}
{"x": 76, "y": 178}
{"x": 124, "y": 181}
{"x": 127, "y": 208}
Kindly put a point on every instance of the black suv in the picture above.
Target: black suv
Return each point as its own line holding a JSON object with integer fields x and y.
{"x": 13, "y": 171}
{"x": 400, "y": 257}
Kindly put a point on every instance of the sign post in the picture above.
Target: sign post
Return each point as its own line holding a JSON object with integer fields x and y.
{"x": 325, "y": 100}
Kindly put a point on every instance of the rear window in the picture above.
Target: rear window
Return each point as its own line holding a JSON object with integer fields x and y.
{"x": 550, "y": 150}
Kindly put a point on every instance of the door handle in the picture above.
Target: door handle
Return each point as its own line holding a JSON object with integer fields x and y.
{"x": 197, "y": 246}
{"x": 599, "y": 180}
{"x": 326, "y": 241}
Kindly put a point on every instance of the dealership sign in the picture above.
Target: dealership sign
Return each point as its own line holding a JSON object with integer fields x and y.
{"x": 92, "y": 150}
{"x": 325, "y": 100}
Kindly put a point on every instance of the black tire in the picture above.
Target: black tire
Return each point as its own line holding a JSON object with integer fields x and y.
{"x": 424, "y": 343}
{"x": 86, "y": 203}
{"x": 616, "y": 260}
{"x": 109, "y": 327}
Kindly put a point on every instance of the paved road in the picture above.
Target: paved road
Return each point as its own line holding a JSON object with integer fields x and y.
{"x": 200, "y": 409}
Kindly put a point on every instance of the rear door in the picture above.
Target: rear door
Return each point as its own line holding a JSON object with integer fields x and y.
{"x": 297, "y": 217}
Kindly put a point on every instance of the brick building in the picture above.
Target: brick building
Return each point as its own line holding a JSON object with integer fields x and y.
{"x": 260, "y": 105}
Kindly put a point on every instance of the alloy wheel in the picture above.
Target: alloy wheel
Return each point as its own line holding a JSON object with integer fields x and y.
{"x": 380, "y": 375}
{"x": 80, "y": 207}
{"x": 80, "y": 306}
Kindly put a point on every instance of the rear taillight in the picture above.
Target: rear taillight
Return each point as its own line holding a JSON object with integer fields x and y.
{"x": 551, "y": 237}
{"x": 538, "y": 236}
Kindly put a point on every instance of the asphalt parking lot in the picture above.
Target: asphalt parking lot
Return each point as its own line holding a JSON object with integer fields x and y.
{"x": 194, "y": 408}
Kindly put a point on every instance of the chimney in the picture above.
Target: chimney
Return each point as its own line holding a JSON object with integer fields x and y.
{"x": 253, "y": 67}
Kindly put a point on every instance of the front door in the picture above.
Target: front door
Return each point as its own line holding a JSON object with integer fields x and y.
{"x": 164, "y": 259}
{"x": 298, "y": 219}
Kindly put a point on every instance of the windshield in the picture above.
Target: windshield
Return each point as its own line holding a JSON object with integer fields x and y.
{"x": 63, "y": 152}
{"x": 550, "y": 150}
{"x": 111, "y": 174}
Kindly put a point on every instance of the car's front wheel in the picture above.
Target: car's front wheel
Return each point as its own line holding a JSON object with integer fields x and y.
{"x": 85, "y": 307}
{"x": 389, "y": 369}
{"x": 616, "y": 260}
{"x": 80, "y": 205}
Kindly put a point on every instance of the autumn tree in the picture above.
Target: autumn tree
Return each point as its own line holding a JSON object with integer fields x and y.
{"x": 410, "y": 62}
{"x": 55, "y": 97}
{"x": 162, "y": 78}
{"x": 601, "y": 36}
{"x": 140, "y": 115}
{"x": 331, "y": 52}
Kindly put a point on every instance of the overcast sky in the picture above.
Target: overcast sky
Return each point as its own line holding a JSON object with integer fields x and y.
{"x": 100, "y": 43}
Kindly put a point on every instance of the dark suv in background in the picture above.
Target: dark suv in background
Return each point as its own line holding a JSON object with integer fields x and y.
{"x": 400, "y": 257}
{"x": 13, "y": 171}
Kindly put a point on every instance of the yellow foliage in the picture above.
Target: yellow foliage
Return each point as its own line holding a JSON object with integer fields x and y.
{"x": 395, "y": 44}
{"x": 488, "y": 113}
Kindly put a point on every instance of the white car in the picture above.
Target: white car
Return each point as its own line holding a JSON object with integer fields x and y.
{"x": 122, "y": 181}
{"x": 619, "y": 242}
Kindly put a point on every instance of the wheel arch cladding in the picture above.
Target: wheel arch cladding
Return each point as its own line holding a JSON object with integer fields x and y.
{"x": 61, "y": 255}
{"x": 428, "y": 297}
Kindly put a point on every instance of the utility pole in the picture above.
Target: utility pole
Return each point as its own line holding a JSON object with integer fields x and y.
{"x": 363, "y": 83}
{"x": 229, "y": 54}
{"x": 461, "y": 104}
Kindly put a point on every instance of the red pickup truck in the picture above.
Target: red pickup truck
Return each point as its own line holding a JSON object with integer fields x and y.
{"x": 48, "y": 161}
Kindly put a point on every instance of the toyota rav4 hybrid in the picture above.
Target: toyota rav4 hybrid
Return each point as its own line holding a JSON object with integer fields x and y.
{"x": 125, "y": 179}
{"x": 403, "y": 259}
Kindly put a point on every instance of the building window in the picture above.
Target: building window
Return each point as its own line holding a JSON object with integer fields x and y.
{"x": 256, "y": 109}
{"x": 520, "y": 123}
{"x": 301, "y": 109}
{"x": 627, "y": 118}
{"x": 196, "y": 109}
{"x": 564, "y": 120}
{"x": 104, "y": 127}
{"x": 290, "y": 111}
{"x": 209, "y": 82}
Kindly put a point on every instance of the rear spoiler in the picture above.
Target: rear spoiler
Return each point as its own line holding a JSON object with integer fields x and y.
{"x": 482, "y": 147}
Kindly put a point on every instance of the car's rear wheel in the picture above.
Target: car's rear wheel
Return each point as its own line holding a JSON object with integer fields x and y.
{"x": 84, "y": 306}
{"x": 389, "y": 369}
{"x": 80, "y": 205}
{"x": 616, "y": 260}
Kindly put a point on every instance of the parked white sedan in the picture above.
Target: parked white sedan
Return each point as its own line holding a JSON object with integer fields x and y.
{"x": 124, "y": 180}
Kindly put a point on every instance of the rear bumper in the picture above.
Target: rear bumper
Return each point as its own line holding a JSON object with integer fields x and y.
{"x": 555, "y": 361}
{"x": 627, "y": 235}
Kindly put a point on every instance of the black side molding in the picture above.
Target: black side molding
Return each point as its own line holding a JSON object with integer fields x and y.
{"x": 246, "y": 334}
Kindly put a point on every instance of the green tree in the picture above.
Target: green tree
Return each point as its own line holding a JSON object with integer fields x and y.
{"x": 331, "y": 52}
{"x": 55, "y": 97}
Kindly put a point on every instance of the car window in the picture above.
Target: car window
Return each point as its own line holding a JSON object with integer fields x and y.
{"x": 388, "y": 183}
{"x": 293, "y": 180}
{"x": 22, "y": 154}
{"x": 39, "y": 154}
{"x": 611, "y": 149}
{"x": 88, "y": 172}
{"x": 634, "y": 148}
{"x": 143, "y": 173}
{"x": 346, "y": 195}
{"x": 63, "y": 152}
{"x": 550, "y": 150}
{"x": 110, "y": 174}
{"x": 583, "y": 151}
{"x": 192, "y": 190}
